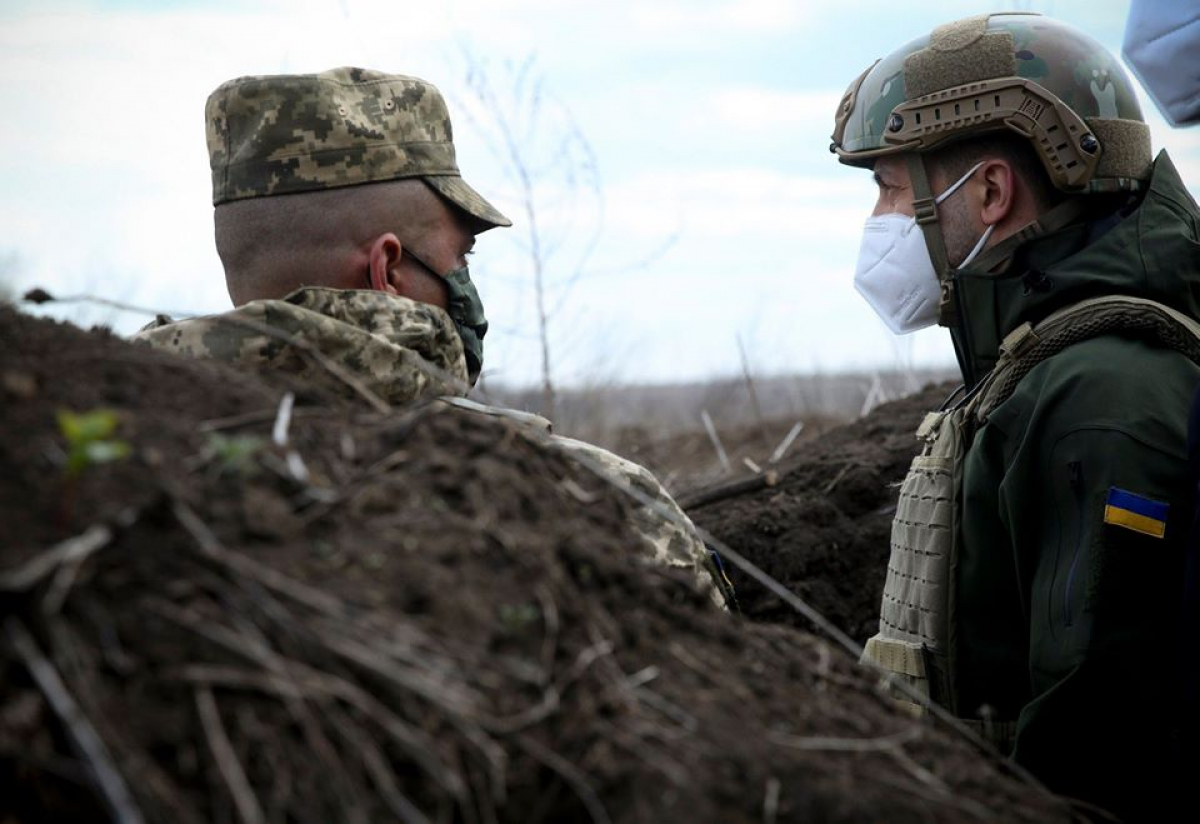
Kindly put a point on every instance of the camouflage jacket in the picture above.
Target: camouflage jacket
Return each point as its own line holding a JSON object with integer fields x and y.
{"x": 379, "y": 347}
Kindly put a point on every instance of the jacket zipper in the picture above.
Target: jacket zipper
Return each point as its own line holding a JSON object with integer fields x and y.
{"x": 1075, "y": 470}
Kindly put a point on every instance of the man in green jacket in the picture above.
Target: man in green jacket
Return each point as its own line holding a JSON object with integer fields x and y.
{"x": 1035, "y": 575}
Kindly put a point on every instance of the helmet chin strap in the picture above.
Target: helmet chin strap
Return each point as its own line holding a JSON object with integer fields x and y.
{"x": 925, "y": 209}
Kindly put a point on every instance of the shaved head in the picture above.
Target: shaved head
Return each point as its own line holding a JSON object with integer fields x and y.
{"x": 271, "y": 246}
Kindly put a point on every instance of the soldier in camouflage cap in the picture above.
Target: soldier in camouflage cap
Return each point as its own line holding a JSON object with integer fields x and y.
{"x": 276, "y": 135}
{"x": 1035, "y": 575}
{"x": 344, "y": 228}
{"x": 291, "y": 159}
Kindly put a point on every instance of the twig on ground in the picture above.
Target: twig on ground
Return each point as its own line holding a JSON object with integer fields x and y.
{"x": 569, "y": 773}
{"x": 818, "y": 743}
{"x": 458, "y": 703}
{"x": 381, "y": 772}
{"x": 786, "y": 443}
{"x": 227, "y": 761}
{"x": 71, "y": 551}
{"x": 83, "y": 735}
{"x": 551, "y": 699}
{"x": 72, "y": 563}
{"x": 270, "y": 578}
{"x": 920, "y": 773}
{"x": 283, "y": 419}
{"x": 728, "y": 489}
{"x": 550, "y": 623}
{"x": 820, "y": 621}
{"x": 750, "y": 390}
{"x": 414, "y": 742}
{"x": 837, "y": 479}
{"x": 771, "y": 800}
{"x": 715, "y": 438}
{"x": 216, "y": 424}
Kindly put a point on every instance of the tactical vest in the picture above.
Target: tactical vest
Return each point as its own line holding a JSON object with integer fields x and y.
{"x": 916, "y": 639}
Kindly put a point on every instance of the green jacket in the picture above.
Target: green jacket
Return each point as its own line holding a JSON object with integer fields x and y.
{"x": 1065, "y": 623}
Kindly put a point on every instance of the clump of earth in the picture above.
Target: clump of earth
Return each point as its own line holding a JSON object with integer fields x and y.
{"x": 427, "y": 615}
{"x": 822, "y": 525}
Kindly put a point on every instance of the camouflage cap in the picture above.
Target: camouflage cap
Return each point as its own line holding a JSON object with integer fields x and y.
{"x": 282, "y": 134}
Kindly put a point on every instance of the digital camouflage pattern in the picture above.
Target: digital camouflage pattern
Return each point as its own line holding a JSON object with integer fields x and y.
{"x": 1066, "y": 63}
{"x": 671, "y": 542}
{"x": 282, "y": 134}
{"x": 402, "y": 351}
{"x": 397, "y": 348}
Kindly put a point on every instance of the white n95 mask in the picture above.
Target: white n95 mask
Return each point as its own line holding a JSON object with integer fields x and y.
{"x": 895, "y": 273}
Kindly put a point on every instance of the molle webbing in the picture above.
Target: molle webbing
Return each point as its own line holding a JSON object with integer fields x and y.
{"x": 917, "y": 629}
{"x": 1028, "y": 346}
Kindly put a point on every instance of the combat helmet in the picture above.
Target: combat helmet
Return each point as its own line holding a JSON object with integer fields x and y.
{"x": 1019, "y": 73}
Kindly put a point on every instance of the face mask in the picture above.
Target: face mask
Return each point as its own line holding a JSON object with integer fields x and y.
{"x": 894, "y": 272}
{"x": 466, "y": 310}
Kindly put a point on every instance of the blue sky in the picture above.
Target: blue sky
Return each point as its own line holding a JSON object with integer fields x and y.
{"x": 723, "y": 214}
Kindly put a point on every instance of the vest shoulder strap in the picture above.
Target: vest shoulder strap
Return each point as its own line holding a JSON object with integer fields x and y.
{"x": 1028, "y": 345}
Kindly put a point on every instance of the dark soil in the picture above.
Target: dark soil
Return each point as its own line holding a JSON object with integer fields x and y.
{"x": 823, "y": 529}
{"x": 688, "y": 460}
{"x": 439, "y": 620}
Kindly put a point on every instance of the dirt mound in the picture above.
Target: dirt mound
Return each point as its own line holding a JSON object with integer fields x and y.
{"x": 421, "y": 616}
{"x": 823, "y": 529}
{"x": 688, "y": 460}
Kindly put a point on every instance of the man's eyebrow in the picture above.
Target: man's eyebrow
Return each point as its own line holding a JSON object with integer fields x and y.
{"x": 878, "y": 180}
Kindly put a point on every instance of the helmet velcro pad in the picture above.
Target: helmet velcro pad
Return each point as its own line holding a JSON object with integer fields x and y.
{"x": 936, "y": 67}
{"x": 1127, "y": 155}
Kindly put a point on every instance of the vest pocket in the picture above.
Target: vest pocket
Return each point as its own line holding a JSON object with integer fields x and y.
{"x": 913, "y": 637}
{"x": 905, "y": 662}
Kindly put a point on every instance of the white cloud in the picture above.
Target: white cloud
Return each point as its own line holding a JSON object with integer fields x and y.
{"x": 107, "y": 187}
{"x": 760, "y": 110}
{"x": 691, "y": 18}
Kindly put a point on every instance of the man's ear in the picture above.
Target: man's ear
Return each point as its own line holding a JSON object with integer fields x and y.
{"x": 999, "y": 191}
{"x": 383, "y": 260}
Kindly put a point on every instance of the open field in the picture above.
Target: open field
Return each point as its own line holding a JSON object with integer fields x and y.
{"x": 662, "y": 426}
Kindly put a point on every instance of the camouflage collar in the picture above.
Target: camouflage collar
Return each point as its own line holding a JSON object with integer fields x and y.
{"x": 397, "y": 348}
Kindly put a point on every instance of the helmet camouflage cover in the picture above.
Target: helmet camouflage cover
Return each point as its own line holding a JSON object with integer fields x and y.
{"x": 1025, "y": 73}
{"x": 282, "y": 134}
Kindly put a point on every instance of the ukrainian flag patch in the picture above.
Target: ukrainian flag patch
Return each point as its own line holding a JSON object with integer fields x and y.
{"x": 1136, "y": 512}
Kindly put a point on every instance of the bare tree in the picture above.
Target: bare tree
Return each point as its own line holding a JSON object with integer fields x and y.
{"x": 552, "y": 171}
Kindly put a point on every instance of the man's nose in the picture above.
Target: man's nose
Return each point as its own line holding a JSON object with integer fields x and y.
{"x": 893, "y": 206}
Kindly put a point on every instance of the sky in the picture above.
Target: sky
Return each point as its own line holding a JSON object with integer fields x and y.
{"x": 691, "y": 211}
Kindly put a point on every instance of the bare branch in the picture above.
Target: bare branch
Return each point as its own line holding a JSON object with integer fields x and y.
{"x": 227, "y": 761}
{"x": 83, "y": 735}
{"x": 71, "y": 551}
{"x": 575, "y": 779}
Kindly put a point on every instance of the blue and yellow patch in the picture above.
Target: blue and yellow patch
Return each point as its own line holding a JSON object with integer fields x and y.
{"x": 1136, "y": 512}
